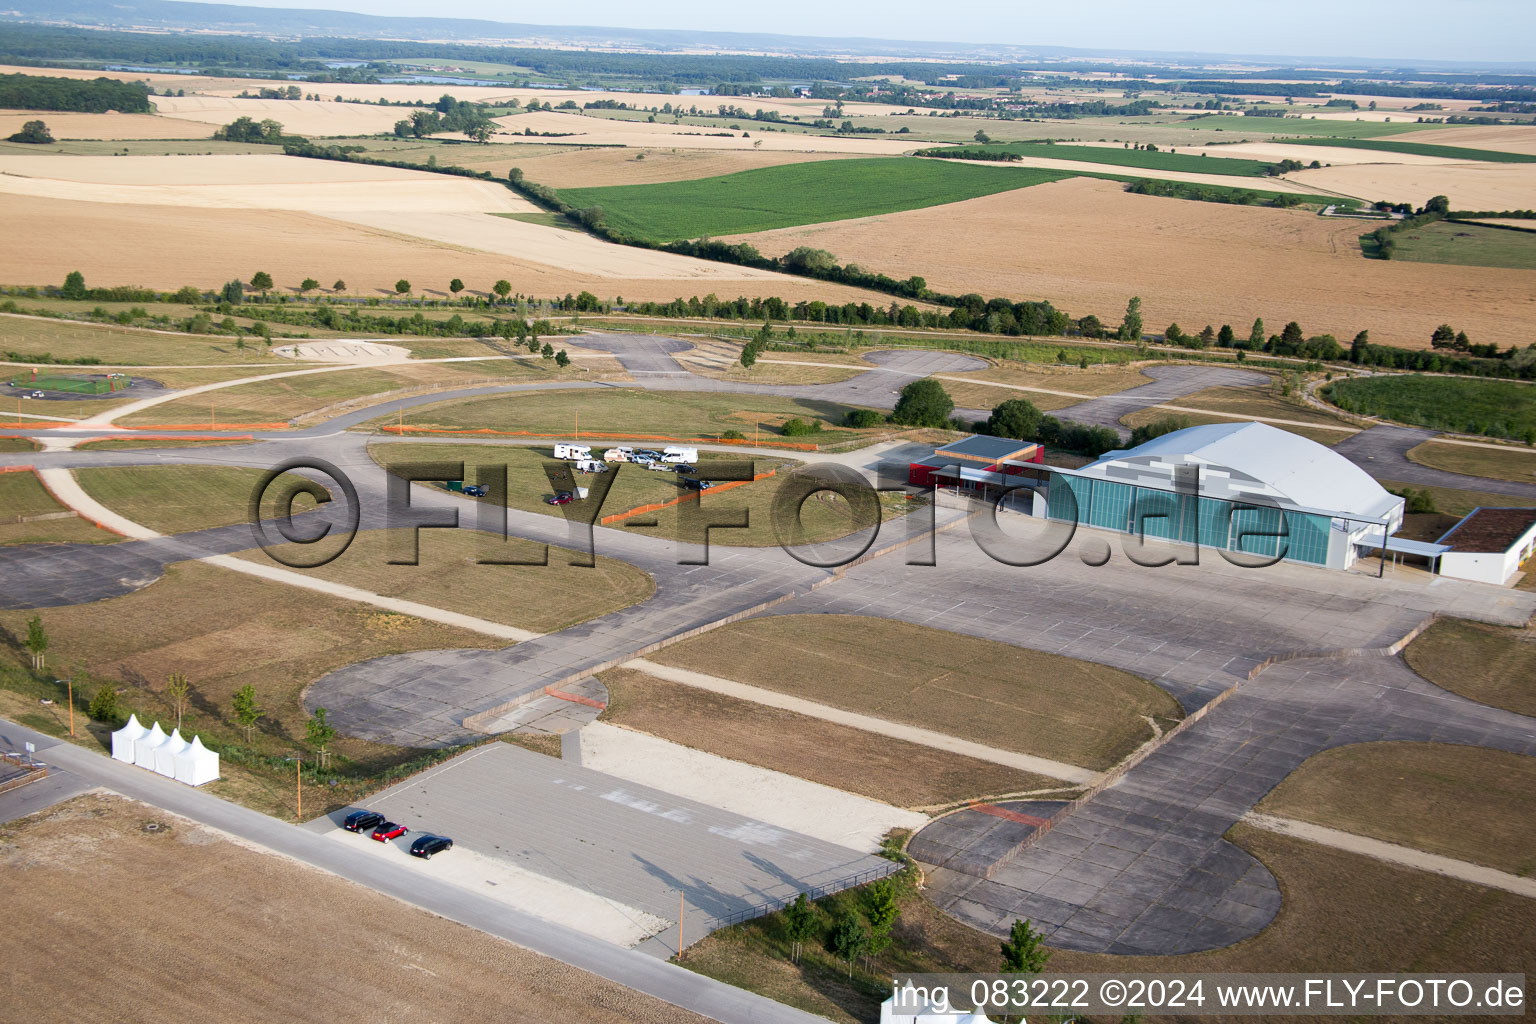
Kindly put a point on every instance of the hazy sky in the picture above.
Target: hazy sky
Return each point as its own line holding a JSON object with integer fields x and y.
{"x": 1447, "y": 29}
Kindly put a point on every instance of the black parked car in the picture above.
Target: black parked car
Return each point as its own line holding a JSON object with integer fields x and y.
{"x": 697, "y": 485}
{"x": 362, "y": 821}
{"x": 425, "y": 846}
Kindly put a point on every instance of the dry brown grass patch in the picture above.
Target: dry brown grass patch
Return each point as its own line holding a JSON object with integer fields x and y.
{"x": 889, "y": 770}
{"x": 992, "y": 693}
{"x": 1514, "y": 464}
{"x": 1489, "y": 664}
{"x": 1470, "y": 803}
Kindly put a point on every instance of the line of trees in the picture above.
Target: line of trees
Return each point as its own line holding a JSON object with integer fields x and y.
{"x": 79, "y": 95}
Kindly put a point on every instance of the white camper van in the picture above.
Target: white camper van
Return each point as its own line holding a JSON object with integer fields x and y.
{"x": 591, "y": 466}
{"x": 618, "y": 454}
{"x": 573, "y": 451}
{"x": 676, "y": 455}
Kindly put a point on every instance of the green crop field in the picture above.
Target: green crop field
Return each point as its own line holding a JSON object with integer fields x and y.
{"x": 794, "y": 194}
{"x": 1422, "y": 149}
{"x": 1496, "y": 408}
{"x": 1139, "y": 158}
{"x": 1271, "y": 126}
{"x": 1469, "y": 245}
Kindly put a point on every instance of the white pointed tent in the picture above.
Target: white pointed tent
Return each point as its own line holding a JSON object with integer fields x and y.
{"x": 171, "y": 756}
{"x": 197, "y": 764}
{"x": 167, "y": 753}
{"x": 144, "y": 747}
{"x": 124, "y": 739}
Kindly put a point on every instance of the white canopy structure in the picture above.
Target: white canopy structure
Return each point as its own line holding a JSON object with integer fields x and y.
{"x": 144, "y": 747}
{"x": 168, "y": 753}
{"x": 197, "y": 764}
{"x": 124, "y": 739}
{"x": 171, "y": 756}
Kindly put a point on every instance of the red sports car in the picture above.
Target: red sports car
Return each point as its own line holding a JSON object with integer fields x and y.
{"x": 563, "y": 498}
{"x": 389, "y": 830}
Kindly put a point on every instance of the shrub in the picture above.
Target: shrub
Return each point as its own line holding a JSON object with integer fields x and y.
{"x": 799, "y": 428}
{"x": 733, "y": 435}
{"x": 103, "y": 706}
{"x": 863, "y": 418}
{"x": 1157, "y": 428}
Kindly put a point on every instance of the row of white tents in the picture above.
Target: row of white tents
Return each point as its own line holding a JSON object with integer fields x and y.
{"x": 171, "y": 756}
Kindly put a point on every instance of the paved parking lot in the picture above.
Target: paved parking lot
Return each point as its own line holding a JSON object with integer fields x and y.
{"x": 625, "y": 842}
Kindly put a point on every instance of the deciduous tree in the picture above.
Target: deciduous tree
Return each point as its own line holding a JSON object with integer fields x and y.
{"x": 247, "y": 711}
{"x": 923, "y": 403}
{"x": 36, "y": 642}
{"x": 319, "y": 733}
{"x": 849, "y": 938}
{"x": 799, "y": 924}
{"x": 179, "y": 690}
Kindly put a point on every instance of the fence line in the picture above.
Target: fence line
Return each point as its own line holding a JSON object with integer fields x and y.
{"x": 813, "y": 893}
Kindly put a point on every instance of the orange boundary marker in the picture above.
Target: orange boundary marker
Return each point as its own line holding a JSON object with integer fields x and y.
{"x": 793, "y": 445}
{"x": 1003, "y": 812}
{"x": 575, "y": 698}
{"x": 204, "y": 426}
{"x": 55, "y": 497}
{"x": 167, "y": 437}
{"x": 691, "y": 496}
{"x": 38, "y": 424}
{"x": 16, "y": 469}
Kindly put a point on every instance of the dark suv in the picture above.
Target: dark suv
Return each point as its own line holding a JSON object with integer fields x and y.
{"x": 362, "y": 821}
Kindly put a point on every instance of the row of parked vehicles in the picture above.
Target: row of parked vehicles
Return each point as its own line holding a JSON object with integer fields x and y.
{"x": 381, "y": 829}
{"x": 581, "y": 454}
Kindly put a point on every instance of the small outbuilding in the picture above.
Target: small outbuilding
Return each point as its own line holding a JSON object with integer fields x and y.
{"x": 1490, "y": 545}
{"x": 977, "y": 464}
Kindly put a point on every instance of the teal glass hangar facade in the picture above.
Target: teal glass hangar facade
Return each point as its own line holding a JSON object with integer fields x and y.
{"x": 1216, "y": 523}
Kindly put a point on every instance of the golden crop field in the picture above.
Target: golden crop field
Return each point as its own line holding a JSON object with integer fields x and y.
{"x": 1470, "y": 186}
{"x": 317, "y": 118}
{"x": 575, "y": 128}
{"x": 1511, "y": 138}
{"x": 167, "y": 247}
{"x": 105, "y": 126}
{"x": 1088, "y": 246}
{"x": 250, "y": 181}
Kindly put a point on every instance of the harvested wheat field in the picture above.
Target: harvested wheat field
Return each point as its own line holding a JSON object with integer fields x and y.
{"x": 1510, "y": 138}
{"x": 1470, "y": 186}
{"x": 1193, "y": 177}
{"x": 1088, "y": 246}
{"x": 549, "y": 246}
{"x": 285, "y": 942}
{"x": 596, "y": 167}
{"x": 317, "y": 118}
{"x": 250, "y": 181}
{"x": 104, "y": 126}
{"x": 1322, "y": 154}
{"x": 165, "y": 247}
{"x": 807, "y": 109}
{"x": 576, "y": 129}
